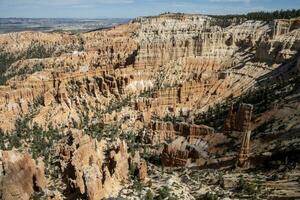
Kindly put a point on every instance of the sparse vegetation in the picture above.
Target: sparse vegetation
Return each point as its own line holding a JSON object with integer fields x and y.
{"x": 274, "y": 177}
{"x": 40, "y": 143}
{"x": 167, "y": 118}
{"x": 149, "y": 195}
{"x": 38, "y": 50}
{"x": 148, "y": 93}
{"x": 35, "y": 50}
{"x": 21, "y": 72}
{"x": 154, "y": 159}
{"x": 137, "y": 185}
{"x": 6, "y": 59}
{"x": 215, "y": 116}
{"x": 131, "y": 139}
{"x": 249, "y": 188}
{"x": 117, "y": 105}
{"x": 262, "y": 97}
{"x": 163, "y": 193}
{"x": 39, "y": 140}
{"x": 209, "y": 196}
{"x": 39, "y": 101}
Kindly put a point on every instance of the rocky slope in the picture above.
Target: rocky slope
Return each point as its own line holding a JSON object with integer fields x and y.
{"x": 187, "y": 61}
{"x": 181, "y": 90}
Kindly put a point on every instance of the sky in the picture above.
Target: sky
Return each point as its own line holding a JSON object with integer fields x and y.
{"x": 134, "y": 8}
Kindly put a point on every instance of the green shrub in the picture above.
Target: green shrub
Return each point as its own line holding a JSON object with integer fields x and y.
{"x": 38, "y": 195}
{"x": 163, "y": 193}
{"x": 247, "y": 187}
{"x": 38, "y": 50}
{"x": 274, "y": 177}
{"x": 38, "y": 101}
{"x": 117, "y": 105}
{"x": 137, "y": 186}
{"x": 154, "y": 159}
{"x": 6, "y": 59}
{"x": 209, "y": 196}
{"x": 149, "y": 195}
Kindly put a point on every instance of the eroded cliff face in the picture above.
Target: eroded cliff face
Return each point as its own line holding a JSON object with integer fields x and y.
{"x": 86, "y": 168}
{"x": 184, "y": 61}
{"x": 25, "y": 43}
{"x": 20, "y": 175}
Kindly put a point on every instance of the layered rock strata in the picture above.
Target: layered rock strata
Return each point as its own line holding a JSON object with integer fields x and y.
{"x": 189, "y": 61}
{"x": 238, "y": 121}
{"x": 246, "y": 111}
{"x": 238, "y": 118}
{"x": 191, "y": 143}
{"x": 163, "y": 131}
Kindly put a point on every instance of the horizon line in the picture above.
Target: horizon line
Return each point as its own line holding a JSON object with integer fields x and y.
{"x": 188, "y": 13}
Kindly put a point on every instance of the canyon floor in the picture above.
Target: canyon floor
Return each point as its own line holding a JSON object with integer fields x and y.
{"x": 175, "y": 106}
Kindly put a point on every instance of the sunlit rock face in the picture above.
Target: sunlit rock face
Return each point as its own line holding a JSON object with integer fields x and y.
{"x": 194, "y": 61}
{"x": 87, "y": 169}
{"x": 20, "y": 175}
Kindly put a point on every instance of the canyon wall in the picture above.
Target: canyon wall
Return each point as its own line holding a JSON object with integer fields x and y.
{"x": 186, "y": 62}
